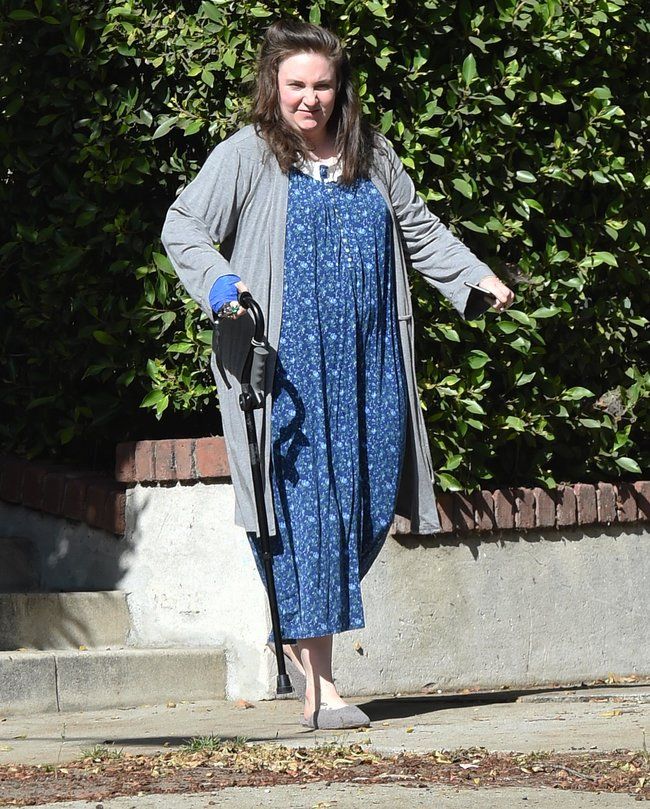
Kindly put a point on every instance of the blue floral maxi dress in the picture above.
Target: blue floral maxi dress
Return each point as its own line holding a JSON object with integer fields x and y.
{"x": 339, "y": 404}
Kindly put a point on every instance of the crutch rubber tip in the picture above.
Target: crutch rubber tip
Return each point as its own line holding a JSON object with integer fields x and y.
{"x": 284, "y": 684}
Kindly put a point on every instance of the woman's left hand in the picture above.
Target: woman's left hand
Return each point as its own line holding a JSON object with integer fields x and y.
{"x": 503, "y": 294}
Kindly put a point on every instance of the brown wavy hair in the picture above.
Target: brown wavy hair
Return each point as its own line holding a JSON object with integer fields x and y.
{"x": 354, "y": 137}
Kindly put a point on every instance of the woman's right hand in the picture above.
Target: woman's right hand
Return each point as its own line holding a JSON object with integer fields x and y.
{"x": 234, "y": 309}
{"x": 241, "y": 287}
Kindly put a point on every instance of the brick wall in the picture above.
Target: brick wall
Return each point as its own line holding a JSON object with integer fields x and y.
{"x": 95, "y": 499}
{"x": 100, "y": 500}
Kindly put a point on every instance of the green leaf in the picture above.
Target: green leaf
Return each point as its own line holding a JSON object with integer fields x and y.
{"x": 629, "y": 464}
{"x": 526, "y": 177}
{"x": 377, "y": 10}
{"x": 448, "y": 483}
{"x": 211, "y": 11}
{"x": 596, "y": 259}
{"x": 495, "y": 101}
{"x": 467, "y": 223}
{"x": 520, "y": 317}
{"x": 449, "y": 333}
{"x": 555, "y": 97}
{"x": 521, "y": 344}
{"x": 533, "y": 203}
{"x": 164, "y": 127}
{"x": 524, "y": 379}
{"x": 453, "y": 462}
{"x": 473, "y": 407}
{"x": 193, "y": 127}
{"x": 66, "y": 434}
{"x": 104, "y": 338}
{"x": 79, "y": 38}
{"x": 463, "y": 187}
{"x": 22, "y": 14}
{"x": 154, "y": 397}
{"x": 592, "y": 424}
{"x": 603, "y": 257}
{"x": 515, "y": 423}
{"x": 477, "y": 359}
{"x": 386, "y": 121}
{"x": 601, "y": 92}
{"x": 577, "y": 393}
{"x": 546, "y": 311}
{"x": 163, "y": 263}
{"x": 181, "y": 348}
{"x": 469, "y": 69}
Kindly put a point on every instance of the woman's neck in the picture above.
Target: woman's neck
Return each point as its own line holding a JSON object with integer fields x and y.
{"x": 323, "y": 149}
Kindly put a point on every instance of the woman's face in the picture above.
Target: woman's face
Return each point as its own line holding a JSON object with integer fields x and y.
{"x": 307, "y": 88}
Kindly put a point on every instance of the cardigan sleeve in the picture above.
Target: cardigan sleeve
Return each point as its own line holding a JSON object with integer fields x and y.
{"x": 432, "y": 250}
{"x": 205, "y": 213}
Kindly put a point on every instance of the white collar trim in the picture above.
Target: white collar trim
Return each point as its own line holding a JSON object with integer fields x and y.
{"x": 312, "y": 168}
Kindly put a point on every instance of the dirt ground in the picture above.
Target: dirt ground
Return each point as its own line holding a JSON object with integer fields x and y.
{"x": 208, "y": 764}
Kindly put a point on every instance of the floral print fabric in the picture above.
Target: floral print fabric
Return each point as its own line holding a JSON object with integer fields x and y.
{"x": 339, "y": 404}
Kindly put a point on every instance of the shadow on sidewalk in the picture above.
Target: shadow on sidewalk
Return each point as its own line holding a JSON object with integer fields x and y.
{"x": 414, "y": 705}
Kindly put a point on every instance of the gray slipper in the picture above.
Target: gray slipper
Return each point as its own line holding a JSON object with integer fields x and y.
{"x": 337, "y": 718}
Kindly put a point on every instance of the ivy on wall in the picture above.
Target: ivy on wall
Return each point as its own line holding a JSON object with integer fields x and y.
{"x": 522, "y": 123}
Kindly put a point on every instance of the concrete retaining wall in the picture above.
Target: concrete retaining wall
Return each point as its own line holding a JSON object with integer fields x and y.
{"x": 511, "y": 608}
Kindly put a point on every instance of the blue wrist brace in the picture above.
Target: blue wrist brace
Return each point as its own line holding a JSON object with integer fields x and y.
{"x": 223, "y": 290}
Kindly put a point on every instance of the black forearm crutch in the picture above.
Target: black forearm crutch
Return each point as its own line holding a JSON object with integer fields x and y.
{"x": 250, "y": 399}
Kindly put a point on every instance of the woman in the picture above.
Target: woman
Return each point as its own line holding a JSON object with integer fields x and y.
{"x": 314, "y": 213}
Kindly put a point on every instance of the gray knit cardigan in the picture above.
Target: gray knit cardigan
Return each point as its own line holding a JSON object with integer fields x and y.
{"x": 231, "y": 219}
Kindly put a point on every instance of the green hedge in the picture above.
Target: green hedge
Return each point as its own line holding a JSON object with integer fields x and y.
{"x": 522, "y": 123}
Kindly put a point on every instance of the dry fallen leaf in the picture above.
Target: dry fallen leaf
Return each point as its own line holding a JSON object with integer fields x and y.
{"x": 243, "y": 703}
{"x": 409, "y": 730}
{"x": 616, "y": 712}
{"x": 618, "y": 678}
{"x": 171, "y": 704}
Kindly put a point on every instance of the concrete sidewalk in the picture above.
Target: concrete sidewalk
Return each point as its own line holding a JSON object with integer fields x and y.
{"x": 603, "y": 719}
{"x": 372, "y": 796}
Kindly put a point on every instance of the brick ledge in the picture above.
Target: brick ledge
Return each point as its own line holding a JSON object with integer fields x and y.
{"x": 82, "y": 496}
{"x": 100, "y": 501}
{"x": 174, "y": 459}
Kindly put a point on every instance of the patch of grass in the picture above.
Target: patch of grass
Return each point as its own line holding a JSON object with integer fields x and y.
{"x": 202, "y": 744}
{"x": 102, "y": 751}
{"x": 334, "y": 747}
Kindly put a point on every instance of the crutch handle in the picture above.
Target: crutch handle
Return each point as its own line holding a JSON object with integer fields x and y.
{"x": 258, "y": 372}
{"x": 248, "y": 302}
{"x": 254, "y": 370}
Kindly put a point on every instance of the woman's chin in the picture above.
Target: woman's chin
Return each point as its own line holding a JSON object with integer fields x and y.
{"x": 307, "y": 124}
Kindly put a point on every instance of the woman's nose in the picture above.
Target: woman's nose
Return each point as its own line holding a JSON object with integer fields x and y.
{"x": 311, "y": 99}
